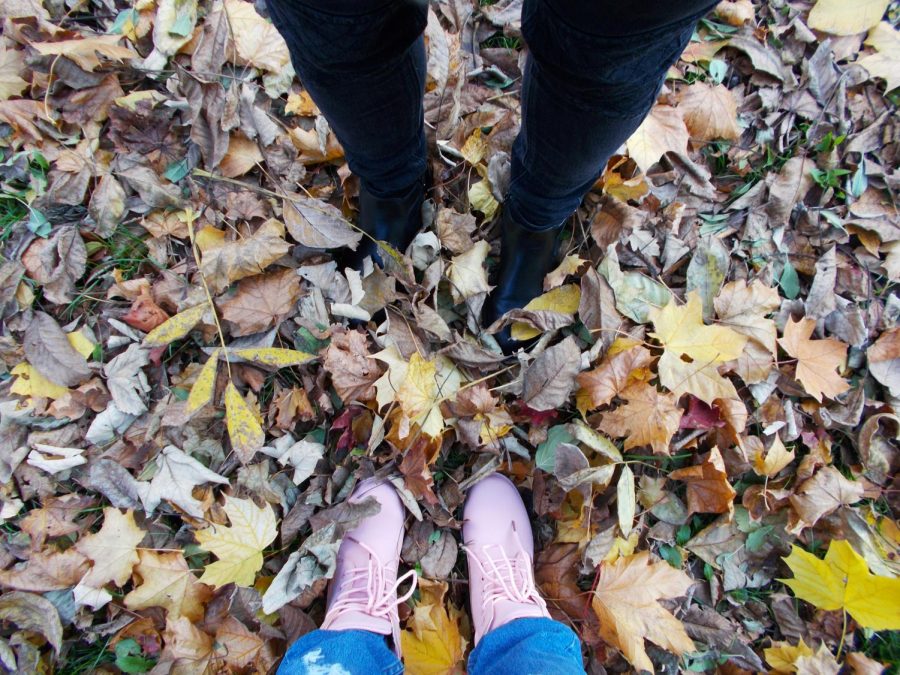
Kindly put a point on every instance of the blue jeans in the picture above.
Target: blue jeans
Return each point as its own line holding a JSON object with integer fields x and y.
{"x": 521, "y": 647}
{"x": 594, "y": 69}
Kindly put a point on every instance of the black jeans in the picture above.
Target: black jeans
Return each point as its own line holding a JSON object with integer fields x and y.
{"x": 594, "y": 70}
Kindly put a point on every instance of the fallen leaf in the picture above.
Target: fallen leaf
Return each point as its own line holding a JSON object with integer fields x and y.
{"x": 31, "y": 612}
{"x": 353, "y": 372}
{"x": 145, "y": 314}
{"x": 884, "y": 360}
{"x": 432, "y": 643}
{"x": 710, "y": 111}
{"x": 839, "y": 18}
{"x": 817, "y": 360}
{"x": 647, "y": 418}
{"x": 83, "y": 51}
{"x": 177, "y": 327}
{"x": 11, "y": 67}
{"x": 770, "y": 462}
{"x": 126, "y": 379}
{"x": 50, "y": 352}
{"x": 822, "y": 494}
{"x": 467, "y": 274}
{"x": 262, "y": 301}
{"x": 843, "y": 581}
{"x": 782, "y": 656}
{"x": 662, "y": 131}
{"x": 626, "y": 602}
{"x": 564, "y": 300}
{"x": 550, "y": 378}
{"x": 238, "y": 547}
{"x": 256, "y": 41}
{"x": 165, "y": 580}
{"x": 883, "y": 63}
{"x": 111, "y": 549}
{"x": 176, "y": 476}
{"x": 708, "y": 489}
{"x": 243, "y": 422}
{"x": 245, "y": 257}
{"x": 693, "y": 351}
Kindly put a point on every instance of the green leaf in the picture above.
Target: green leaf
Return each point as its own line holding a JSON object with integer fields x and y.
{"x": 545, "y": 457}
{"x": 671, "y": 555}
{"x": 789, "y": 281}
{"x": 38, "y": 223}
{"x": 129, "y": 658}
{"x": 717, "y": 70}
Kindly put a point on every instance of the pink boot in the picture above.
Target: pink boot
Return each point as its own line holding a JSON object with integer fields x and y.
{"x": 500, "y": 550}
{"x": 363, "y": 593}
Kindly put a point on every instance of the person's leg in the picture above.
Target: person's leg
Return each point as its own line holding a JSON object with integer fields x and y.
{"x": 514, "y": 633}
{"x": 362, "y": 598}
{"x": 363, "y": 63}
{"x": 526, "y": 647}
{"x": 593, "y": 72}
{"x": 344, "y": 652}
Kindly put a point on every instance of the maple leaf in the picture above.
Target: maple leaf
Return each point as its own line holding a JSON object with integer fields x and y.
{"x": 817, "y": 360}
{"x": 425, "y": 385}
{"x": 625, "y": 363}
{"x": 693, "y": 351}
{"x": 820, "y": 495}
{"x": 11, "y": 66}
{"x": 262, "y": 301}
{"x": 626, "y": 602}
{"x": 771, "y": 461}
{"x": 663, "y": 130}
{"x": 710, "y": 112}
{"x": 83, "y": 51}
{"x": 648, "y": 418}
{"x": 111, "y": 549}
{"x": 782, "y": 656}
{"x": 467, "y": 274}
{"x": 238, "y": 547}
{"x": 708, "y": 489}
{"x": 176, "y": 476}
{"x": 245, "y": 257}
{"x": 353, "y": 373}
{"x": 843, "y": 581}
{"x": 842, "y": 18}
{"x": 432, "y": 643}
{"x": 257, "y": 42}
{"x": 165, "y": 580}
{"x": 189, "y": 647}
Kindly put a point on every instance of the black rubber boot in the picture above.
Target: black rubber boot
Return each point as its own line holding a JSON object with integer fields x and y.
{"x": 396, "y": 220}
{"x": 526, "y": 256}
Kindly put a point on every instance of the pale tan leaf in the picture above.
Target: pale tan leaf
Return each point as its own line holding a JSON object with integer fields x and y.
{"x": 839, "y": 17}
{"x": 11, "y": 67}
{"x": 83, "y": 51}
{"x": 710, "y": 112}
{"x": 817, "y": 360}
{"x": 662, "y": 131}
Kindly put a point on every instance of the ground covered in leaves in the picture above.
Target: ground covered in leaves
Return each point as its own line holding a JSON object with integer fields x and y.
{"x": 704, "y": 425}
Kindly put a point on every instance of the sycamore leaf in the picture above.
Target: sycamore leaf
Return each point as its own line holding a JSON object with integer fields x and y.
{"x": 112, "y": 548}
{"x": 262, "y": 301}
{"x": 822, "y": 494}
{"x": 839, "y": 17}
{"x": 771, "y": 461}
{"x": 432, "y": 643}
{"x": 693, "y": 351}
{"x": 482, "y": 199}
{"x": 817, "y": 360}
{"x": 708, "y": 489}
{"x": 353, "y": 372}
{"x": 648, "y": 418}
{"x": 256, "y": 41}
{"x": 467, "y": 274}
{"x": 663, "y": 130}
{"x": 843, "y": 581}
{"x": 276, "y": 357}
{"x": 190, "y": 647}
{"x": 234, "y": 260}
{"x": 569, "y": 265}
{"x": 177, "y": 327}
{"x": 425, "y": 384}
{"x": 744, "y": 309}
{"x": 238, "y": 547}
{"x": 564, "y": 300}
{"x": 204, "y": 385}
{"x": 243, "y": 422}
{"x": 165, "y": 580}
{"x": 710, "y": 112}
{"x": 83, "y": 51}
{"x": 176, "y": 476}
{"x": 626, "y": 602}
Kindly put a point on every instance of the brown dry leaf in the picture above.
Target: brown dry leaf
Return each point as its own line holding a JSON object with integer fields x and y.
{"x": 52, "y": 354}
{"x": 353, "y": 372}
{"x": 47, "y": 570}
{"x": 708, "y": 489}
{"x": 262, "y": 301}
{"x": 648, "y": 418}
{"x": 84, "y": 51}
{"x": 735, "y": 12}
{"x": 245, "y": 257}
{"x": 662, "y": 131}
{"x": 11, "y": 67}
{"x": 21, "y": 115}
{"x": 316, "y": 224}
{"x": 165, "y": 580}
{"x": 625, "y": 363}
{"x": 770, "y": 462}
{"x": 822, "y": 494}
{"x": 884, "y": 360}
{"x": 626, "y": 602}
{"x": 189, "y": 647}
{"x": 744, "y": 308}
{"x": 256, "y": 41}
{"x": 242, "y": 648}
{"x": 56, "y": 264}
{"x": 549, "y": 380}
{"x": 817, "y": 360}
{"x": 243, "y": 154}
{"x": 710, "y": 112}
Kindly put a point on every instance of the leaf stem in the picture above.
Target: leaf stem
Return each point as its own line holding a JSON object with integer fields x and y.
{"x": 843, "y": 635}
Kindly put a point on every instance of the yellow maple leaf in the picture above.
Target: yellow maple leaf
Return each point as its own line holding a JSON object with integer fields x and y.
{"x": 421, "y": 389}
{"x": 111, "y": 549}
{"x": 238, "y": 547}
{"x": 648, "y": 418}
{"x": 626, "y": 602}
{"x": 782, "y": 656}
{"x": 564, "y": 300}
{"x": 843, "y": 581}
{"x": 432, "y": 643}
{"x": 817, "y": 360}
{"x": 693, "y": 350}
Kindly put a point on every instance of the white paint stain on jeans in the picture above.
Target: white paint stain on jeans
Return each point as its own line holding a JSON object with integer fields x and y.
{"x": 312, "y": 665}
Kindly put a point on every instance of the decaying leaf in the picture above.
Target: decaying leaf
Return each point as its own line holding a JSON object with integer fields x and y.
{"x": 238, "y": 547}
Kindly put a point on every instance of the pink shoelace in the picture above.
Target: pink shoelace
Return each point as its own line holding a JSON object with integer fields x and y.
{"x": 376, "y": 597}
{"x": 505, "y": 578}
